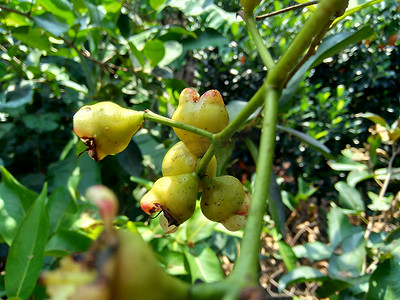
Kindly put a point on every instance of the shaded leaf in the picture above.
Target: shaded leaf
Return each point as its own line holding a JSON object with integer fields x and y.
{"x": 64, "y": 242}
{"x": 62, "y": 209}
{"x": 384, "y": 283}
{"x": 48, "y": 22}
{"x": 300, "y": 274}
{"x": 314, "y": 251}
{"x": 287, "y": 254}
{"x": 25, "y": 258}
{"x": 339, "y": 226}
{"x": 203, "y": 264}
{"x": 349, "y": 197}
{"x": 15, "y": 200}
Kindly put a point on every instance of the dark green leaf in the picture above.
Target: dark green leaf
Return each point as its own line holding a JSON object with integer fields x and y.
{"x": 48, "y": 22}
{"x": 300, "y": 274}
{"x": 276, "y": 207}
{"x": 25, "y": 258}
{"x": 15, "y": 200}
{"x": 331, "y": 286}
{"x": 203, "y": 264}
{"x": 18, "y": 95}
{"x": 384, "y": 283}
{"x": 349, "y": 197}
{"x": 313, "y": 143}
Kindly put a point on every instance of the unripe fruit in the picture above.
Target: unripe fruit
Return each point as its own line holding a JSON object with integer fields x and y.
{"x": 207, "y": 112}
{"x": 106, "y": 128}
{"x": 222, "y": 197}
{"x": 234, "y": 222}
{"x": 179, "y": 160}
{"x": 249, "y": 5}
{"x": 174, "y": 195}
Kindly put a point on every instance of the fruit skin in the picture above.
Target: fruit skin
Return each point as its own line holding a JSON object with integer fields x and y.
{"x": 174, "y": 195}
{"x": 234, "y": 222}
{"x": 222, "y": 197}
{"x": 249, "y": 5}
{"x": 179, "y": 160}
{"x": 207, "y": 112}
{"x": 106, "y": 128}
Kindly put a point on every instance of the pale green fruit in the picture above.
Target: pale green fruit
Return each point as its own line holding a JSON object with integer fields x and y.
{"x": 250, "y": 5}
{"x": 234, "y": 222}
{"x": 207, "y": 112}
{"x": 106, "y": 128}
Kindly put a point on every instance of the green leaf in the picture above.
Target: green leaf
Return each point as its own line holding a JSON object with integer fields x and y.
{"x": 374, "y": 118}
{"x": 155, "y": 4}
{"x": 136, "y": 56}
{"x": 203, "y": 264}
{"x": 350, "y": 261}
{"x": 378, "y": 203}
{"x": 314, "y": 251}
{"x": 154, "y": 51}
{"x": 42, "y": 123}
{"x": 313, "y": 143}
{"x": 48, "y": 22}
{"x": 343, "y": 163}
{"x": 198, "y": 227}
{"x": 65, "y": 242}
{"x": 287, "y": 254}
{"x": 15, "y": 200}
{"x": 18, "y": 95}
{"x": 62, "y": 209}
{"x": 356, "y": 176}
{"x": 174, "y": 262}
{"x": 173, "y": 50}
{"x": 382, "y": 173}
{"x": 62, "y": 9}
{"x": 384, "y": 283}
{"x": 349, "y": 197}
{"x": 25, "y": 258}
{"x": 329, "y": 47}
{"x": 331, "y": 286}
{"x": 339, "y": 226}
{"x": 300, "y": 274}
{"x": 34, "y": 38}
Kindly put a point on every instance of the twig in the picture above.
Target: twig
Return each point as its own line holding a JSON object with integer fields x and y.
{"x": 286, "y": 9}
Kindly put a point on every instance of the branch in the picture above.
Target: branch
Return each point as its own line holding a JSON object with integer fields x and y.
{"x": 286, "y": 9}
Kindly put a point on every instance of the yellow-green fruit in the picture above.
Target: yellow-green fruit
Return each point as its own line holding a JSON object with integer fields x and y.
{"x": 234, "y": 222}
{"x": 222, "y": 197}
{"x": 250, "y": 5}
{"x": 207, "y": 112}
{"x": 174, "y": 195}
{"x": 106, "y": 128}
{"x": 179, "y": 160}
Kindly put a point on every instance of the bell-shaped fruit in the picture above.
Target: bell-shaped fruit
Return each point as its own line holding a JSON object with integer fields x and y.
{"x": 207, "y": 112}
{"x": 179, "y": 160}
{"x": 106, "y": 128}
{"x": 174, "y": 195}
{"x": 222, "y": 197}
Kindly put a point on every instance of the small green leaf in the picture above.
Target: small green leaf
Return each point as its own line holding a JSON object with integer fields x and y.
{"x": 155, "y": 4}
{"x": 288, "y": 256}
{"x": 25, "y": 258}
{"x": 379, "y": 203}
{"x": 314, "y": 251}
{"x": 356, "y": 176}
{"x": 374, "y": 118}
{"x": 349, "y": 197}
{"x": 154, "y": 51}
{"x": 62, "y": 9}
{"x": 203, "y": 264}
{"x": 62, "y": 209}
{"x": 199, "y": 227}
{"x": 300, "y": 274}
{"x": 343, "y": 163}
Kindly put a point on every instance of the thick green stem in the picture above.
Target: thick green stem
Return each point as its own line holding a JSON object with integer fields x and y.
{"x": 247, "y": 264}
{"x": 150, "y": 116}
{"x": 326, "y": 11}
{"x": 262, "y": 49}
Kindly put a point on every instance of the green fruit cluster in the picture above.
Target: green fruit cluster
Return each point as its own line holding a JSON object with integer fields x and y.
{"x": 223, "y": 198}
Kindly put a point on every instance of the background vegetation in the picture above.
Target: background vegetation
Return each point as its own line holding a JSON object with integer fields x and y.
{"x": 336, "y": 164}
